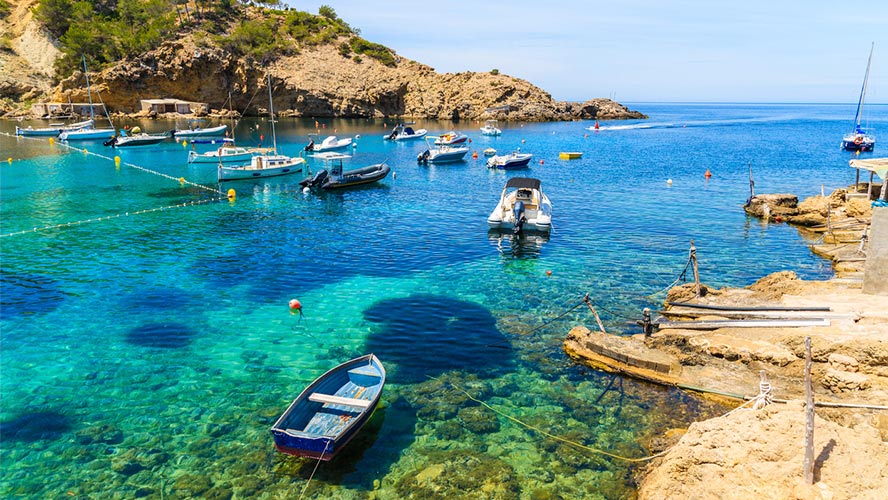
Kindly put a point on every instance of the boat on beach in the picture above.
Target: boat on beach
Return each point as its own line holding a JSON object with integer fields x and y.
{"x": 332, "y": 176}
{"x": 263, "y": 165}
{"x": 330, "y": 143}
{"x": 402, "y": 132}
{"x": 522, "y": 205}
{"x": 328, "y": 413}
{"x": 451, "y": 138}
{"x": 860, "y": 139}
{"x": 490, "y": 128}
{"x": 200, "y": 132}
{"x": 510, "y": 161}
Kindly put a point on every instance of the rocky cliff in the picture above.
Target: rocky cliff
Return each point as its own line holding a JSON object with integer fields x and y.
{"x": 316, "y": 82}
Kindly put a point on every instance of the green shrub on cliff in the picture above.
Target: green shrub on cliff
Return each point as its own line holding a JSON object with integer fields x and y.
{"x": 4, "y": 8}
{"x": 379, "y": 52}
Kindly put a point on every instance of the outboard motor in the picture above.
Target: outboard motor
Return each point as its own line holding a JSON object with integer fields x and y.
{"x": 424, "y": 156}
{"x": 310, "y": 145}
{"x": 111, "y": 142}
{"x": 520, "y": 219}
{"x": 315, "y": 180}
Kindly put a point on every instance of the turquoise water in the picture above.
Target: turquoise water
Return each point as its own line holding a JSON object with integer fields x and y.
{"x": 147, "y": 347}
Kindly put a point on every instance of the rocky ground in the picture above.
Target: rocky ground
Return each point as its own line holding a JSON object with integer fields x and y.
{"x": 759, "y": 453}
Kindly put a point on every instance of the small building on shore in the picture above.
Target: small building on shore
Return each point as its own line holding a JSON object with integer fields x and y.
{"x": 178, "y": 106}
{"x": 61, "y": 109}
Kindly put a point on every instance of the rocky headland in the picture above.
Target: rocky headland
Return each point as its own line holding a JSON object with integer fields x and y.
{"x": 314, "y": 81}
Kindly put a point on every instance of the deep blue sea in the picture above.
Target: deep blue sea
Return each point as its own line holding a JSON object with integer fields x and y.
{"x": 147, "y": 343}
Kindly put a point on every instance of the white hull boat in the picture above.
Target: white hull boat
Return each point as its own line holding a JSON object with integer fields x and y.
{"x": 442, "y": 154}
{"x": 260, "y": 167}
{"x": 451, "y": 138}
{"x": 201, "y": 132}
{"x": 87, "y": 134}
{"x": 510, "y": 161}
{"x": 522, "y": 206}
{"x": 226, "y": 154}
{"x": 490, "y": 128}
{"x": 53, "y": 130}
{"x": 331, "y": 143}
{"x": 402, "y": 132}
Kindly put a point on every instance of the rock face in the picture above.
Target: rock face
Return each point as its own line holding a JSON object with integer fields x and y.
{"x": 26, "y": 68}
{"x": 759, "y": 454}
{"x": 318, "y": 81}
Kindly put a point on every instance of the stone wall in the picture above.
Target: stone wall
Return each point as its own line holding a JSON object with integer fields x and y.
{"x": 875, "y": 278}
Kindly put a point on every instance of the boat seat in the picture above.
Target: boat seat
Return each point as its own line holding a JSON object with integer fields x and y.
{"x": 337, "y": 400}
{"x": 364, "y": 376}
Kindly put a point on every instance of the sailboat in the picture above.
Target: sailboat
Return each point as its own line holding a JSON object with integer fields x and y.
{"x": 267, "y": 165}
{"x": 90, "y": 132}
{"x": 860, "y": 139}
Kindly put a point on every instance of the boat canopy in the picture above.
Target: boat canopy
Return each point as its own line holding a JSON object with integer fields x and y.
{"x": 879, "y": 166}
{"x": 523, "y": 182}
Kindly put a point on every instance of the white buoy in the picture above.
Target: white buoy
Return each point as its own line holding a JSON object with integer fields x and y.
{"x": 394, "y": 175}
{"x": 305, "y": 190}
{"x": 358, "y": 136}
{"x": 668, "y": 182}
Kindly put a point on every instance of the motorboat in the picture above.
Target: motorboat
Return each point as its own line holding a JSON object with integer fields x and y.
{"x": 136, "y": 137}
{"x": 53, "y": 130}
{"x": 263, "y": 165}
{"x": 489, "y": 152}
{"x": 200, "y": 132}
{"x": 490, "y": 128}
{"x": 860, "y": 139}
{"x": 522, "y": 205}
{"x": 332, "y": 176}
{"x": 451, "y": 138}
{"x": 331, "y": 143}
{"x": 402, "y": 132}
{"x": 509, "y": 161}
{"x": 443, "y": 154}
{"x": 328, "y": 413}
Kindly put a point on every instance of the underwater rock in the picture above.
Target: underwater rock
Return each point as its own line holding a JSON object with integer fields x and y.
{"x": 35, "y": 426}
{"x": 192, "y": 486}
{"x": 161, "y": 335}
{"x": 460, "y": 474}
{"x": 105, "y": 434}
{"x": 479, "y": 420}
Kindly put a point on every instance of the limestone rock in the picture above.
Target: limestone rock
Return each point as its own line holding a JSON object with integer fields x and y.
{"x": 842, "y": 381}
{"x": 842, "y": 362}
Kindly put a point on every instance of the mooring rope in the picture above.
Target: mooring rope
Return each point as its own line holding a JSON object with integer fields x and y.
{"x": 681, "y": 277}
{"x": 320, "y": 458}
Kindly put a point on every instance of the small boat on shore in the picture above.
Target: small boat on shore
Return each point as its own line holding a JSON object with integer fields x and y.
{"x": 451, "y": 138}
{"x": 859, "y": 139}
{"x": 510, "y": 161}
{"x": 331, "y": 143}
{"x": 53, "y": 130}
{"x": 522, "y": 205}
{"x": 490, "y": 128}
{"x": 334, "y": 177}
{"x": 402, "y": 132}
{"x": 200, "y": 132}
{"x": 325, "y": 416}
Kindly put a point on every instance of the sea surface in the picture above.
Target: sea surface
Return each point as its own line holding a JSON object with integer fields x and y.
{"x": 148, "y": 346}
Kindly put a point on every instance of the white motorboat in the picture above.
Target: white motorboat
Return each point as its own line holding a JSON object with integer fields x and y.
{"x": 331, "y": 143}
{"x": 490, "y": 128}
{"x": 136, "y": 137}
{"x": 200, "y": 132}
{"x": 522, "y": 205}
{"x": 510, "y": 161}
{"x": 227, "y": 153}
{"x": 443, "y": 154}
{"x": 267, "y": 165}
{"x": 402, "y": 132}
{"x": 451, "y": 138}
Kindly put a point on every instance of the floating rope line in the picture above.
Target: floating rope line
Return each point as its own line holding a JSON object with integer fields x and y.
{"x": 180, "y": 180}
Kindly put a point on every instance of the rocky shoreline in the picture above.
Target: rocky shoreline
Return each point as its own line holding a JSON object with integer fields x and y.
{"x": 759, "y": 453}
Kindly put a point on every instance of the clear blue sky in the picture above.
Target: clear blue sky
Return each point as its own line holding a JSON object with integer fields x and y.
{"x": 643, "y": 50}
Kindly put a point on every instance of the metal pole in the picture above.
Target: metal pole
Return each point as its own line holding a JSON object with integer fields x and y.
{"x": 696, "y": 272}
{"x": 809, "y": 417}
{"x": 594, "y": 313}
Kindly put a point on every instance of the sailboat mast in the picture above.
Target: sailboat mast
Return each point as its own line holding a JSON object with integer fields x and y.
{"x": 271, "y": 115}
{"x": 88, "y": 92}
{"x": 863, "y": 89}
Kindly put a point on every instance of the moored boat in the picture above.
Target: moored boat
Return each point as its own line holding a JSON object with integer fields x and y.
{"x": 328, "y": 413}
{"x": 522, "y": 205}
{"x": 200, "y": 132}
{"x": 489, "y": 152}
{"x": 227, "y": 153}
{"x": 451, "y": 138}
{"x": 53, "y": 130}
{"x": 89, "y": 132}
{"x": 490, "y": 128}
{"x": 860, "y": 139}
{"x": 509, "y": 161}
{"x": 136, "y": 138}
{"x": 402, "y": 132}
{"x": 570, "y": 155}
{"x": 331, "y": 143}
{"x": 443, "y": 154}
{"x": 334, "y": 177}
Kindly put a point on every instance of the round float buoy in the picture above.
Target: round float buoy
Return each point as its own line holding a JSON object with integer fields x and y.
{"x": 305, "y": 190}
{"x": 51, "y": 140}
{"x": 184, "y": 143}
{"x": 117, "y": 160}
{"x": 182, "y": 180}
{"x": 708, "y": 174}
{"x": 295, "y": 304}
{"x": 232, "y": 195}
{"x": 668, "y": 182}
{"x": 9, "y": 159}
{"x": 261, "y": 137}
{"x": 475, "y": 155}
{"x": 541, "y": 162}
{"x": 778, "y": 219}
{"x": 548, "y": 273}
{"x": 358, "y": 136}
{"x": 585, "y": 136}
{"x": 522, "y": 141}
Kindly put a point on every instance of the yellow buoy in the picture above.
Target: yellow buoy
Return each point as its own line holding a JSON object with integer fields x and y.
{"x": 117, "y": 160}
{"x": 9, "y": 159}
{"x": 232, "y": 195}
{"x": 181, "y": 180}
{"x": 51, "y": 140}
{"x": 184, "y": 143}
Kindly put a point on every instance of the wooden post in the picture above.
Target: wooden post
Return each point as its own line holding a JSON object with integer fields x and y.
{"x": 696, "y": 271}
{"x": 751, "y": 185}
{"x": 594, "y": 313}
{"x": 869, "y": 190}
{"x": 857, "y": 180}
{"x": 808, "y": 468}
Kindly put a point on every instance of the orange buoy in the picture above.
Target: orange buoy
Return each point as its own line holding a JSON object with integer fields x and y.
{"x": 778, "y": 219}
{"x": 475, "y": 155}
{"x": 548, "y": 273}
{"x": 541, "y": 162}
{"x": 295, "y": 304}
{"x": 708, "y": 174}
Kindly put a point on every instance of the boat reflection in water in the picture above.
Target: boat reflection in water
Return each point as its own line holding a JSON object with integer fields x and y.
{"x": 525, "y": 244}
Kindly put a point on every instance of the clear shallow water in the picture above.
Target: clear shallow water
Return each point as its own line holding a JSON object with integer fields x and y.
{"x": 148, "y": 354}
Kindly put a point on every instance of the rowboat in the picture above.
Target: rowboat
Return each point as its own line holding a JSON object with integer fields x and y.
{"x": 325, "y": 416}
